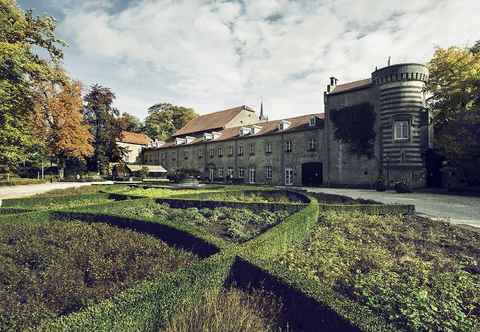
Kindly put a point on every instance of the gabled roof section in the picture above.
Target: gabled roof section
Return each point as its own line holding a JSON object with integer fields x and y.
{"x": 211, "y": 121}
{"x": 134, "y": 138}
{"x": 297, "y": 123}
{"x": 351, "y": 86}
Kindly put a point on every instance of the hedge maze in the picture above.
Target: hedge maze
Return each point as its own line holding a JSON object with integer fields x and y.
{"x": 224, "y": 263}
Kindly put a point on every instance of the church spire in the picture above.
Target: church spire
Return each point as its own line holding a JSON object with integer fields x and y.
{"x": 262, "y": 116}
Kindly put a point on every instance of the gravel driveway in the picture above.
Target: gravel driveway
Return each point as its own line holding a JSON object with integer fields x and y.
{"x": 453, "y": 208}
{"x": 32, "y": 189}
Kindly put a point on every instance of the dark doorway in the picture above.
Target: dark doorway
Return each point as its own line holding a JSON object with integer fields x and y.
{"x": 433, "y": 163}
{"x": 312, "y": 174}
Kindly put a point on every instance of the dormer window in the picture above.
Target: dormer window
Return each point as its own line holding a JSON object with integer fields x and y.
{"x": 189, "y": 139}
{"x": 244, "y": 131}
{"x": 207, "y": 136}
{"x": 313, "y": 121}
{"x": 283, "y": 125}
{"x": 180, "y": 141}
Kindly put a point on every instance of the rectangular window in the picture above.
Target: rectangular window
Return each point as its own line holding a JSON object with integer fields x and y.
{"x": 241, "y": 172}
{"x": 252, "y": 148}
{"x": 268, "y": 147}
{"x": 251, "y": 175}
{"x": 401, "y": 129}
{"x": 240, "y": 150}
{"x": 288, "y": 176}
{"x": 211, "y": 174}
{"x": 220, "y": 172}
{"x": 220, "y": 152}
{"x": 230, "y": 172}
{"x": 200, "y": 154}
{"x": 288, "y": 146}
{"x": 212, "y": 153}
{"x": 312, "y": 143}
{"x": 230, "y": 150}
{"x": 268, "y": 172}
{"x": 185, "y": 155}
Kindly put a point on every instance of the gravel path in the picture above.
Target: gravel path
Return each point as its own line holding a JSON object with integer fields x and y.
{"x": 32, "y": 189}
{"x": 453, "y": 208}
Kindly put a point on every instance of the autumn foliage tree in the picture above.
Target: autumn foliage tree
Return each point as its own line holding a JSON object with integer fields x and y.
{"x": 21, "y": 70}
{"x": 59, "y": 123}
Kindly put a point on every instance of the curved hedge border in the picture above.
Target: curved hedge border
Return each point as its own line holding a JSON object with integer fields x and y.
{"x": 149, "y": 305}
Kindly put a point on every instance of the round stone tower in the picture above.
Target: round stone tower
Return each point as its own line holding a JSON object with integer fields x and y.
{"x": 403, "y": 121}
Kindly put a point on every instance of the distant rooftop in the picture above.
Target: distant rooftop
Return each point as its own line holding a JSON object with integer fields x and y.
{"x": 211, "y": 121}
{"x": 351, "y": 86}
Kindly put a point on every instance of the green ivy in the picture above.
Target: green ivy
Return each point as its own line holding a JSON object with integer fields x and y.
{"x": 355, "y": 126}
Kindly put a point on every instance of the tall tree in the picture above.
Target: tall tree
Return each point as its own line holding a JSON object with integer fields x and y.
{"x": 164, "y": 119}
{"x": 21, "y": 69}
{"x": 130, "y": 122}
{"x": 59, "y": 123}
{"x": 454, "y": 86}
{"x": 106, "y": 128}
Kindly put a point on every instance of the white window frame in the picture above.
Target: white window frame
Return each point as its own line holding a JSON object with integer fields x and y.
{"x": 241, "y": 151}
{"x": 288, "y": 176}
{"x": 251, "y": 175}
{"x": 241, "y": 172}
{"x": 252, "y": 148}
{"x": 220, "y": 151}
{"x": 268, "y": 172}
{"x": 312, "y": 144}
{"x": 401, "y": 130}
{"x": 220, "y": 172}
{"x": 212, "y": 152}
{"x": 230, "y": 172}
{"x": 288, "y": 146}
{"x": 230, "y": 150}
{"x": 211, "y": 173}
{"x": 268, "y": 147}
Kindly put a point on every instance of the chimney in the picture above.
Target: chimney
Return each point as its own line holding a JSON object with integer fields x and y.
{"x": 332, "y": 85}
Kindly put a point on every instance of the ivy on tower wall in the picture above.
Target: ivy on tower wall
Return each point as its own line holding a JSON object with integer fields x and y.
{"x": 354, "y": 125}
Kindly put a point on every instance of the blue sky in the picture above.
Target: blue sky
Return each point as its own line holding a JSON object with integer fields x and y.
{"x": 211, "y": 55}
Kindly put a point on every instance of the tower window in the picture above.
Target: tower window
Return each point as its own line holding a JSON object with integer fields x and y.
{"x": 401, "y": 129}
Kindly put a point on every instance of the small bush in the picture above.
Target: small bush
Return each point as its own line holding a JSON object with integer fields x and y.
{"x": 230, "y": 311}
{"x": 402, "y": 188}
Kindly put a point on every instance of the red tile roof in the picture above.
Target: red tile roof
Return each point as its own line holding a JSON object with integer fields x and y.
{"x": 270, "y": 127}
{"x": 134, "y": 138}
{"x": 351, "y": 86}
{"x": 216, "y": 120}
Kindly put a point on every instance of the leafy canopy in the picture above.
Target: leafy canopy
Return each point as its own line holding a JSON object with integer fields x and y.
{"x": 455, "y": 100}
{"x": 164, "y": 119}
{"x": 21, "y": 70}
{"x": 106, "y": 129}
{"x": 59, "y": 123}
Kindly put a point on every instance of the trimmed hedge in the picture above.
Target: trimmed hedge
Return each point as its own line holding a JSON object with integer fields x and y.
{"x": 405, "y": 209}
{"x": 147, "y": 306}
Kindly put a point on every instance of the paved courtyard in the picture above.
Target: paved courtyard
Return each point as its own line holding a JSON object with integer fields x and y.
{"x": 32, "y": 189}
{"x": 454, "y": 208}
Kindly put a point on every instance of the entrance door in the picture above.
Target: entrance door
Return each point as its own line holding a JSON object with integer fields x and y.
{"x": 312, "y": 174}
{"x": 251, "y": 175}
{"x": 288, "y": 176}
{"x": 211, "y": 174}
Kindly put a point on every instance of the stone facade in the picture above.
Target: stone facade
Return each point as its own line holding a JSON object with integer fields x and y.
{"x": 304, "y": 150}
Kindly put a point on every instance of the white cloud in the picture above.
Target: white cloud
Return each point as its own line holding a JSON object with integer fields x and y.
{"x": 212, "y": 54}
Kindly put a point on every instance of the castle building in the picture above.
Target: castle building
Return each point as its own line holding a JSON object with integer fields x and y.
{"x": 370, "y": 128}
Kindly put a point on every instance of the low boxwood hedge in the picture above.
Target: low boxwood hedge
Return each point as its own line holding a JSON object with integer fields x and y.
{"x": 149, "y": 305}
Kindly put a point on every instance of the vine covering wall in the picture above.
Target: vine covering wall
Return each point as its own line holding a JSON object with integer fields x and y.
{"x": 355, "y": 125}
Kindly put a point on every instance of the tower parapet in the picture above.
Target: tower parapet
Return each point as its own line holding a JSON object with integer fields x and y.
{"x": 403, "y": 119}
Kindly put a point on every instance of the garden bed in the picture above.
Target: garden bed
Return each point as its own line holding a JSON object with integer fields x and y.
{"x": 54, "y": 268}
{"x": 412, "y": 272}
